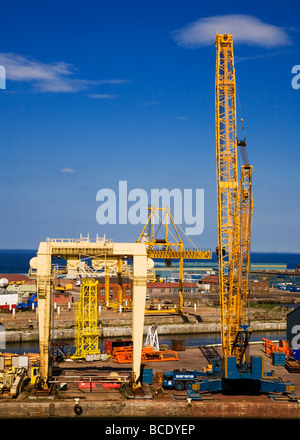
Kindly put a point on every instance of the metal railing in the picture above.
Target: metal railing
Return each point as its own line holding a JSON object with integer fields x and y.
{"x": 81, "y": 239}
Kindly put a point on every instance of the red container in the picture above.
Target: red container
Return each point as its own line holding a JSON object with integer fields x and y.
{"x": 86, "y": 385}
{"x": 110, "y": 345}
{"x": 111, "y": 385}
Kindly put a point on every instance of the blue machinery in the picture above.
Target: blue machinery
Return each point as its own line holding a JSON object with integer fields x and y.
{"x": 229, "y": 377}
{"x": 28, "y": 305}
{"x": 246, "y": 378}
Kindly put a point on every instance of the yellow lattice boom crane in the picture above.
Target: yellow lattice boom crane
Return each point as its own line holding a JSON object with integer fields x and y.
{"x": 234, "y": 198}
{"x": 171, "y": 245}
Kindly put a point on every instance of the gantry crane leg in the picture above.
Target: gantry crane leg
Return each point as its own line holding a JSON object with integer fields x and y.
{"x": 138, "y": 314}
{"x": 44, "y": 308}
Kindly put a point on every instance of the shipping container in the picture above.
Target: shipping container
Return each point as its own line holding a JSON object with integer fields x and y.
{"x": 109, "y": 385}
{"x": 178, "y": 344}
{"x": 86, "y": 385}
{"x": 147, "y": 375}
{"x": 110, "y": 345}
{"x": 278, "y": 358}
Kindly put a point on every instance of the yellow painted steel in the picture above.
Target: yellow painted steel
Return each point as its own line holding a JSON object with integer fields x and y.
{"x": 86, "y": 334}
{"x": 185, "y": 254}
{"x": 120, "y": 281}
{"x": 34, "y": 374}
{"x": 106, "y": 286}
{"x": 240, "y": 263}
{"x": 234, "y": 205}
{"x": 167, "y": 248}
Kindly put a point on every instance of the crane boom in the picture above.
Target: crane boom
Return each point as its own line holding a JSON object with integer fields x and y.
{"x": 238, "y": 338}
{"x": 234, "y": 207}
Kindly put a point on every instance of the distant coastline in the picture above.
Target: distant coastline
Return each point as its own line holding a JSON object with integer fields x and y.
{"x": 17, "y": 260}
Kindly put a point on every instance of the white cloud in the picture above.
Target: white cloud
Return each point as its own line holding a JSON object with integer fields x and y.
{"x": 113, "y": 81}
{"x": 47, "y": 77}
{"x": 67, "y": 170}
{"x": 245, "y": 29}
{"x": 102, "y": 96}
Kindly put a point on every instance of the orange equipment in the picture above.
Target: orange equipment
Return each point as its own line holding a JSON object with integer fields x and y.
{"x": 270, "y": 347}
{"x": 123, "y": 355}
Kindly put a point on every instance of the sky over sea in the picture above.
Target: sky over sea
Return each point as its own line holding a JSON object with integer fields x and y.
{"x": 99, "y": 92}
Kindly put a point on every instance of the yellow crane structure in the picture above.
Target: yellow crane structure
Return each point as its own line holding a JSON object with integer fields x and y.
{"x": 234, "y": 196}
{"x": 86, "y": 333}
{"x": 74, "y": 250}
{"x": 234, "y": 199}
{"x": 171, "y": 246}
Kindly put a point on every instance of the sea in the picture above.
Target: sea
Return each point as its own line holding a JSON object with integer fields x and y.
{"x": 190, "y": 340}
{"x": 17, "y": 260}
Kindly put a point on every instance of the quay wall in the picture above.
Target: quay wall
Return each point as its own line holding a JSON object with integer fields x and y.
{"x": 126, "y": 330}
{"x": 147, "y": 409}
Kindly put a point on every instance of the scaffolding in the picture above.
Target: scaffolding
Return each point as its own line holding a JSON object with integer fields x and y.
{"x": 86, "y": 336}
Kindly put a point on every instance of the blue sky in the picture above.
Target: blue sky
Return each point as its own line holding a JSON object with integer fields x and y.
{"x": 103, "y": 91}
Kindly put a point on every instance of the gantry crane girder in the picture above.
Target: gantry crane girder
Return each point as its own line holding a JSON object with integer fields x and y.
{"x": 234, "y": 201}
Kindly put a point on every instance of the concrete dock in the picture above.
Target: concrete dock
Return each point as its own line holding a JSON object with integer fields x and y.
{"x": 110, "y": 404}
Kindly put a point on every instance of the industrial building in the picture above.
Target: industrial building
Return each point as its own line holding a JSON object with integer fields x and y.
{"x": 113, "y": 289}
{"x": 154, "y": 289}
{"x": 210, "y": 283}
{"x": 167, "y": 289}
